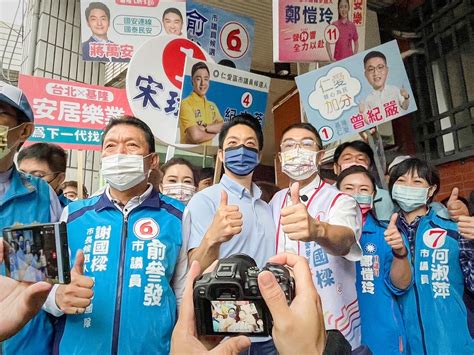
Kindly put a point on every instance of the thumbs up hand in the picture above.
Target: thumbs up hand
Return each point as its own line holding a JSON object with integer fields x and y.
{"x": 227, "y": 221}
{"x": 296, "y": 223}
{"x": 456, "y": 207}
{"x": 75, "y": 297}
{"x": 394, "y": 238}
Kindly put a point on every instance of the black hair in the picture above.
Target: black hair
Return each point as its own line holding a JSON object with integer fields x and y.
{"x": 172, "y": 10}
{"x": 247, "y": 120}
{"x": 307, "y": 126}
{"x": 360, "y": 146}
{"x": 374, "y": 54}
{"x": 73, "y": 183}
{"x": 206, "y": 173}
{"x": 197, "y": 66}
{"x": 423, "y": 170}
{"x": 179, "y": 161}
{"x": 355, "y": 169}
{"x": 227, "y": 63}
{"x": 97, "y": 5}
{"x": 132, "y": 121}
{"x": 51, "y": 154}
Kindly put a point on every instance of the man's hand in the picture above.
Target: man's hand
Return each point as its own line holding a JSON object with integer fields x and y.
{"x": 184, "y": 340}
{"x": 296, "y": 223}
{"x": 394, "y": 238}
{"x": 466, "y": 227}
{"x": 19, "y": 302}
{"x": 227, "y": 222}
{"x": 76, "y": 297}
{"x": 298, "y": 328}
{"x": 404, "y": 93}
{"x": 456, "y": 207}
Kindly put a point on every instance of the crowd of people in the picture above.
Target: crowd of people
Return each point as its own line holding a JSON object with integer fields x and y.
{"x": 377, "y": 271}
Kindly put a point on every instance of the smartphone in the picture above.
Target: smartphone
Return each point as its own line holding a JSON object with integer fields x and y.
{"x": 37, "y": 252}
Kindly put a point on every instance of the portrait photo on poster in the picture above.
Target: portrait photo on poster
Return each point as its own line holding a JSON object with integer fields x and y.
{"x": 111, "y": 31}
{"x": 212, "y": 95}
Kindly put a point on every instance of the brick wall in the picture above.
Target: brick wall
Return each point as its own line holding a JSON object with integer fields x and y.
{"x": 458, "y": 174}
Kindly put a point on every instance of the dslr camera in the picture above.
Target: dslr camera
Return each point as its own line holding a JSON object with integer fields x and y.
{"x": 227, "y": 301}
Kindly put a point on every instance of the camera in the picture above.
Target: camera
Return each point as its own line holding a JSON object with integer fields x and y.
{"x": 37, "y": 252}
{"x": 227, "y": 301}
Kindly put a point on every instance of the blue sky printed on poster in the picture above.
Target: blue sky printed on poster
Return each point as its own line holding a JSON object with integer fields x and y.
{"x": 345, "y": 97}
{"x": 224, "y": 35}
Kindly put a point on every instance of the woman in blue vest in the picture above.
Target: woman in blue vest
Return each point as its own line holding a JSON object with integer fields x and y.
{"x": 433, "y": 310}
{"x": 383, "y": 272}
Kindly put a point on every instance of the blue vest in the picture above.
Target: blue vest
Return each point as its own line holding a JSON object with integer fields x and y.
{"x": 382, "y": 325}
{"x": 26, "y": 201}
{"x": 132, "y": 262}
{"x": 433, "y": 309}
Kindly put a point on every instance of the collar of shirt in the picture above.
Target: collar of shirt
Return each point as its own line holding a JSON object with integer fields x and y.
{"x": 311, "y": 187}
{"x": 132, "y": 203}
{"x": 100, "y": 40}
{"x": 198, "y": 99}
{"x": 239, "y": 190}
{"x": 6, "y": 175}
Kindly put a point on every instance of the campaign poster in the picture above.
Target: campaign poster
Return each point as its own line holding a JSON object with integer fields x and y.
{"x": 72, "y": 115}
{"x": 112, "y": 30}
{"x": 212, "y": 95}
{"x": 227, "y": 37}
{"x": 155, "y": 80}
{"x": 315, "y": 31}
{"x": 357, "y": 93}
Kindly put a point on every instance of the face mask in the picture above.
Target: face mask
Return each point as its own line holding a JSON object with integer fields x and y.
{"x": 4, "y": 148}
{"x": 241, "y": 160}
{"x": 348, "y": 165}
{"x": 123, "y": 171}
{"x": 181, "y": 192}
{"x": 366, "y": 202}
{"x": 299, "y": 164}
{"x": 409, "y": 198}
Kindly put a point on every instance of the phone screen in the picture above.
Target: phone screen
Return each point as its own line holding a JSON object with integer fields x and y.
{"x": 31, "y": 254}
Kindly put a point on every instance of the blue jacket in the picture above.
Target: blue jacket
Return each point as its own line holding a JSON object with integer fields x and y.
{"x": 63, "y": 200}
{"x": 433, "y": 309}
{"x": 132, "y": 261}
{"x": 382, "y": 325}
{"x": 26, "y": 201}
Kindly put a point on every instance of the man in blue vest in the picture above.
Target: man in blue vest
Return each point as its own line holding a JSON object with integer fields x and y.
{"x": 24, "y": 199}
{"x": 126, "y": 243}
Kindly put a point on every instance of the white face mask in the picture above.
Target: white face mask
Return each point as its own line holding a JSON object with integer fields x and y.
{"x": 123, "y": 171}
{"x": 299, "y": 164}
{"x": 179, "y": 191}
{"x": 4, "y": 148}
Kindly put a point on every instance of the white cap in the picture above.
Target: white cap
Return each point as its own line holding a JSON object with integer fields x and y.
{"x": 398, "y": 160}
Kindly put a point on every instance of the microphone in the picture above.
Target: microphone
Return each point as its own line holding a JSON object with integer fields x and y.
{"x": 304, "y": 198}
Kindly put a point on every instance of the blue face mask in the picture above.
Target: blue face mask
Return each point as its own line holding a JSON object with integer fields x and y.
{"x": 241, "y": 160}
{"x": 409, "y": 198}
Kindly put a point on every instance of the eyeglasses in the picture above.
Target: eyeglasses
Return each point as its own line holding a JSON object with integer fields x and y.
{"x": 378, "y": 68}
{"x": 40, "y": 174}
{"x": 292, "y": 144}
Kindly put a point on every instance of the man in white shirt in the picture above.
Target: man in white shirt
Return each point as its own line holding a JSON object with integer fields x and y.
{"x": 315, "y": 220}
{"x": 385, "y": 98}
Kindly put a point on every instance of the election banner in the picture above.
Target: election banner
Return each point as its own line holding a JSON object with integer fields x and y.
{"x": 214, "y": 94}
{"x": 72, "y": 115}
{"x": 313, "y": 31}
{"x": 112, "y": 30}
{"x": 357, "y": 93}
{"x": 155, "y": 79}
{"x": 227, "y": 37}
